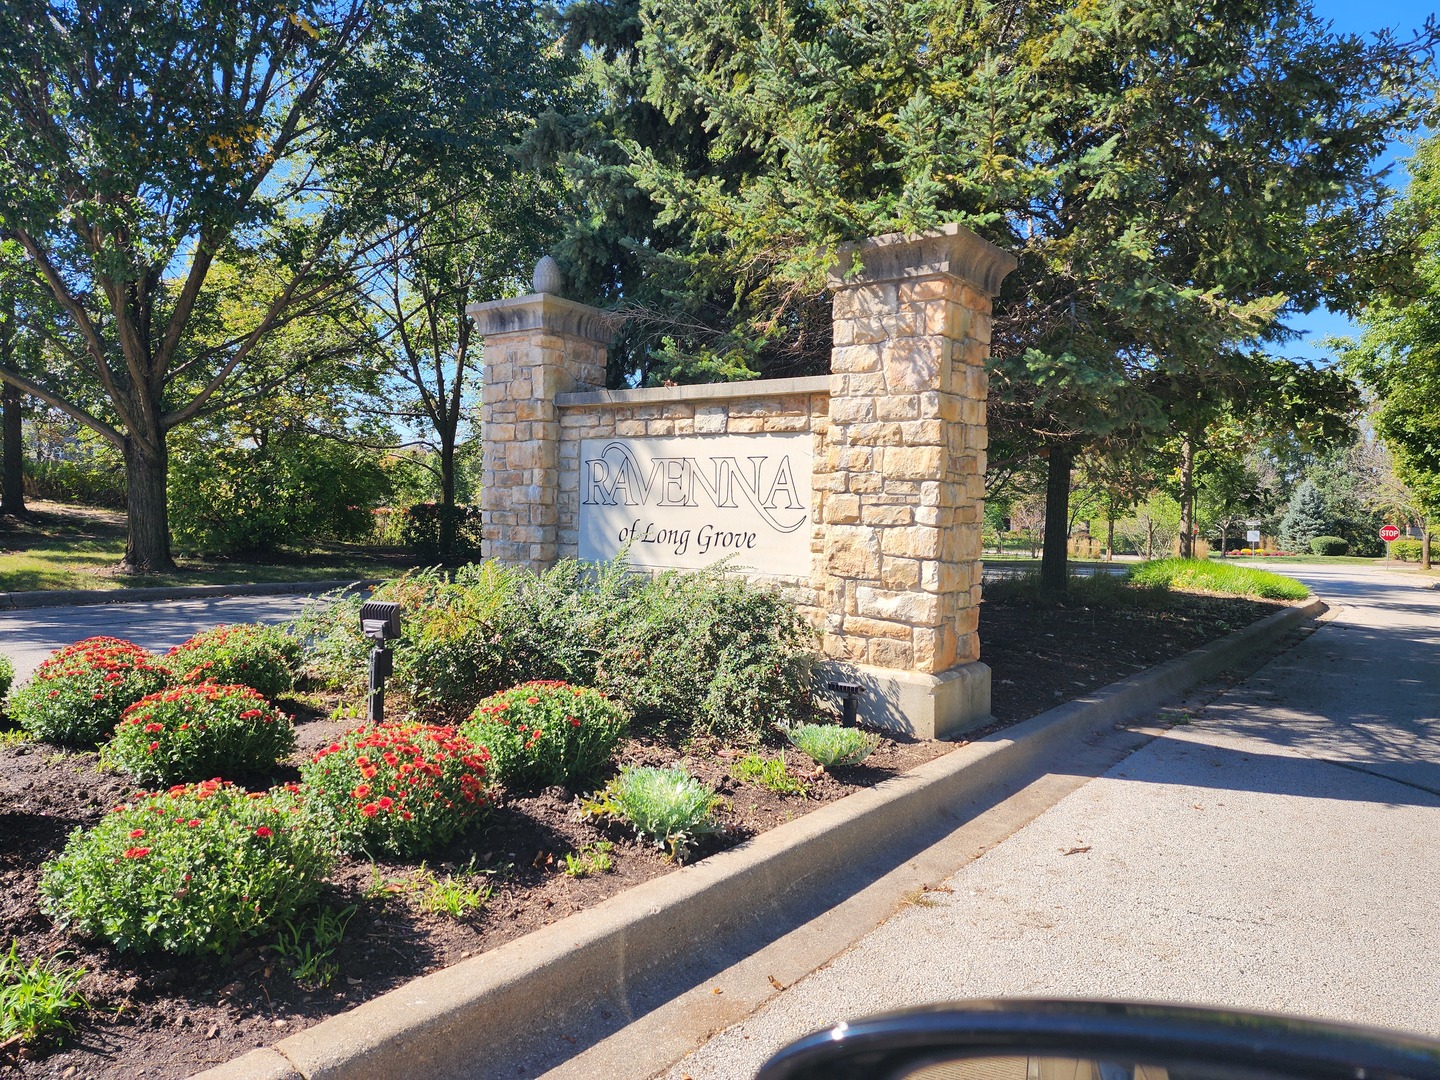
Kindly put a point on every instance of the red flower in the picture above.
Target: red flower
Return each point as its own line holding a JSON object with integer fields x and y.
{"x": 369, "y": 809}
{"x": 361, "y": 790}
{"x": 194, "y": 823}
{"x": 150, "y": 729}
{"x": 386, "y": 802}
{"x": 135, "y": 834}
{"x": 136, "y": 852}
{"x": 263, "y": 831}
{"x": 154, "y": 746}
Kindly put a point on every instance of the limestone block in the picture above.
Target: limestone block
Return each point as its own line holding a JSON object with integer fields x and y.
{"x": 924, "y": 289}
{"x": 923, "y": 433}
{"x": 914, "y": 542}
{"x": 901, "y": 573}
{"x": 935, "y": 650}
{"x": 842, "y": 509}
{"x": 743, "y": 424}
{"x": 873, "y": 434}
{"x": 629, "y": 428}
{"x": 913, "y": 462}
{"x": 849, "y": 359}
{"x": 875, "y": 628}
{"x": 710, "y": 420}
{"x": 862, "y": 483}
{"x": 967, "y": 648}
{"x": 901, "y": 407}
{"x": 911, "y": 608}
{"x": 912, "y": 364}
{"x": 885, "y": 653}
{"x": 852, "y": 552}
{"x": 661, "y": 426}
{"x": 864, "y": 301}
{"x": 785, "y": 423}
{"x": 872, "y": 514}
{"x": 844, "y": 647}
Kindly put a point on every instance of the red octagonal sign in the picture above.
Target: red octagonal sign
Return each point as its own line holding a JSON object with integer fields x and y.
{"x": 1389, "y": 533}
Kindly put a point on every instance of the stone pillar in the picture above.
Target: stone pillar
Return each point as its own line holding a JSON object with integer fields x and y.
{"x": 536, "y": 347}
{"x": 904, "y": 508}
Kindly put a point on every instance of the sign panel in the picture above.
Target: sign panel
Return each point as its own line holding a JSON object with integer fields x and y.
{"x": 691, "y": 500}
{"x": 1390, "y": 533}
{"x": 1253, "y": 536}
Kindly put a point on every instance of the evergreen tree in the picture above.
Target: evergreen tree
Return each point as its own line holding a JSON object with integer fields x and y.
{"x": 1305, "y": 518}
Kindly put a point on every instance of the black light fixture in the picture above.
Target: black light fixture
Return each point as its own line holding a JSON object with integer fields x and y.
{"x": 379, "y": 622}
{"x": 849, "y": 694}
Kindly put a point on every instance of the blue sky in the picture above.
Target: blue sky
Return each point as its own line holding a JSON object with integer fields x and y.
{"x": 1356, "y": 17}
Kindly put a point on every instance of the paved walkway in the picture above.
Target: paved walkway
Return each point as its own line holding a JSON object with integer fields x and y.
{"x": 27, "y": 636}
{"x": 1279, "y": 851}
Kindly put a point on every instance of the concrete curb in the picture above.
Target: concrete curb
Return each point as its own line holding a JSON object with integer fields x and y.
{"x": 458, "y": 1021}
{"x": 75, "y": 597}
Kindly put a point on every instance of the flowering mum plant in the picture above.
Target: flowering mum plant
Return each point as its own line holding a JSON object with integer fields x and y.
{"x": 261, "y": 657}
{"x": 189, "y": 732}
{"x": 402, "y": 788}
{"x": 546, "y": 732}
{"x": 77, "y": 694}
{"x": 195, "y": 869}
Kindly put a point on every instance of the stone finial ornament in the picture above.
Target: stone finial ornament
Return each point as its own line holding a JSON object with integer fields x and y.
{"x": 548, "y": 278}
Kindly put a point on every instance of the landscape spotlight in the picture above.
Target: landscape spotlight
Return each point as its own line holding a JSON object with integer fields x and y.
{"x": 380, "y": 622}
{"x": 849, "y": 694}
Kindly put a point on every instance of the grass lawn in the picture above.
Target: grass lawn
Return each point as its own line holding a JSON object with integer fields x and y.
{"x": 76, "y": 547}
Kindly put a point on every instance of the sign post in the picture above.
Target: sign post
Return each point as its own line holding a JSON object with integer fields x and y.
{"x": 1389, "y": 533}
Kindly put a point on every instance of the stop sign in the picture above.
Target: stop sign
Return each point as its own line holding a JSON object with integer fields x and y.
{"x": 1389, "y": 533}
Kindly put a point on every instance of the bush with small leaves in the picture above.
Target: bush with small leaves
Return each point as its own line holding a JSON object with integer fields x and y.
{"x": 546, "y": 732}
{"x": 7, "y": 677}
{"x": 403, "y": 788}
{"x": 248, "y": 654}
{"x": 1329, "y": 545}
{"x": 669, "y": 806}
{"x": 77, "y": 694}
{"x": 196, "y": 869}
{"x": 831, "y": 745}
{"x": 190, "y": 732}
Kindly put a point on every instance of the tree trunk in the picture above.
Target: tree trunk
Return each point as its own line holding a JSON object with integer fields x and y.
{"x": 147, "y": 541}
{"x": 1187, "y": 498}
{"x": 1109, "y": 535}
{"x": 447, "y": 497}
{"x": 1425, "y": 544}
{"x": 1057, "y": 523}
{"x": 12, "y": 473}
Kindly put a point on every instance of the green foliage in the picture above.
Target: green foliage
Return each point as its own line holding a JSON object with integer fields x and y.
{"x": 35, "y": 997}
{"x": 730, "y": 656}
{"x": 769, "y": 773}
{"x": 250, "y": 654}
{"x": 306, "y": 945}
{"x": 1305, "y": 518}
{"x": 546, "y": 732}
{"x": 196, "y": 869}
{"x": 453, "y": 895}
{"x": 831, "y": 745}
{"x": 291, "y": 490}
{"x": 424, "y": 527}
{"x": 717, "y": 652}
{"x": 198, "y": 731}
{"x": 1405, "y": 550}
{"x": 85, "y": 483}
{"x": 404, "y": 788}
{"x": 668, "y": 806}
{"x": 76, "y": 696}
{"x": 7, "y": 679}
{"x": 1216, "y": 577}
{"x": 590, "y": 859}
{"x": 1329, "y": 545}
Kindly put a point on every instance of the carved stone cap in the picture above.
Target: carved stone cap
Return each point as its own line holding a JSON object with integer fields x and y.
{"x": 542, "y": 311}
{"x": 951, "y": 249}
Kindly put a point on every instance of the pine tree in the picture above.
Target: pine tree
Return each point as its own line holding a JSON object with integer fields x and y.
{"x": 1305, "y": 518}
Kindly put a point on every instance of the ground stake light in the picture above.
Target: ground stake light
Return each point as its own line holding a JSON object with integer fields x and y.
{"x": 849, "y": 695}
{"x": 379, "y": 622}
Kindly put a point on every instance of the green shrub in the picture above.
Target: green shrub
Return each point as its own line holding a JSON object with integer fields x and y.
{"x": 1405, "y": 550}
{"x": 1329, "y": 545}
{"x": 247, "y": 654}
{"x": 421, "y": 528}
{"x": 730, "y": 656}
{"x": 206, "y": 730}
{"x": 1217, "y": 577}
{"x": 7, "y": 679}
{"x": 546, "y": 732}
{"x": 35, "y": 997}
{"x": 402, "y": 788}
{"x": 98, "y": 481}
{"x": 769, "y": 773}
{"x": 668, "y": 806}
{"x": 831, "y": 745}
{"x": 195, "y": 869}
{"x": 77, "y": 694}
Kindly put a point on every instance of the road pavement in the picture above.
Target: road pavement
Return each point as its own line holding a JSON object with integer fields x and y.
{"x": 28, "y": 635}
{"x": 1276, "y": 851}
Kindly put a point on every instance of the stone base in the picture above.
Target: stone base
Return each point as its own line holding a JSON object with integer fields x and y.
{"x": 940, "y": 706}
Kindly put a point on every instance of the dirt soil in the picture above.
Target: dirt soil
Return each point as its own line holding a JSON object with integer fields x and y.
{"x": 161, "y": 1017}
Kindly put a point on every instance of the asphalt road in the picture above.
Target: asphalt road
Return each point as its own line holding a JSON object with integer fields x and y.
{"x": 1277, "y": 851}
{"x": 29, "y": 635}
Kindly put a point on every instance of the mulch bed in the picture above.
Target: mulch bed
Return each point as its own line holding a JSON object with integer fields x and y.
{"x": 159, "y": 1017}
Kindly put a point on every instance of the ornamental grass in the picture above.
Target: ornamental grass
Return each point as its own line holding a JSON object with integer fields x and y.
{"x": 403, "y": 789}
{"x": 77, "y": 694}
